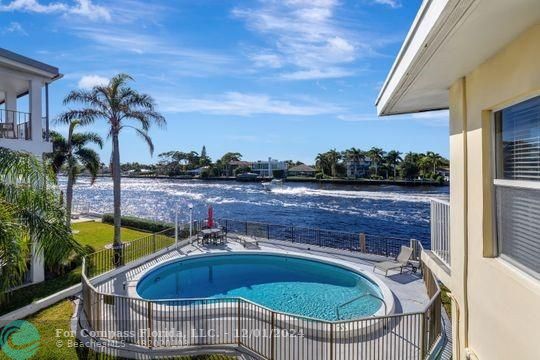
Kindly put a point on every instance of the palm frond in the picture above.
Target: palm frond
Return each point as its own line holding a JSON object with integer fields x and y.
{"x": 81, "y": 139}
{"x": 144, "y": 135}
{"x": 84, "y": 116}
{"x": 89, "y": 160}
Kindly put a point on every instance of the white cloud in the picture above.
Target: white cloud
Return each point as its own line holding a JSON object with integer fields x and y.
{"x": 392, "y": 3}
{"x": 89, "y": 81}
{"x": 33, "y": 6}
{"x": 83, "y": 8}
{"x": 267, "y": 60}
{"x": 304, "y": 35}
{"x": 432, "y": 118}
{"x": 87, "y": 9}
{"x": 14, "y": 28}
{"x": 241, "y": 104}
{"x": 327, "y": 73}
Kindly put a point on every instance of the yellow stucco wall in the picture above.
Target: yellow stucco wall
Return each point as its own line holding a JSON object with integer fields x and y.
{"x": 497, "y": 304}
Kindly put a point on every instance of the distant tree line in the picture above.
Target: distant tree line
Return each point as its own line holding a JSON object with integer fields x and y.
{"x": 381, "y": 164}
{"x": 377, "y": 163}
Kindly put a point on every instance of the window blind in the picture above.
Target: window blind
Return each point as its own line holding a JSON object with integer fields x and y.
{"x": 518, "y": 203}
{"x": 518, "y": 225}
{"x": 518, "y": 130}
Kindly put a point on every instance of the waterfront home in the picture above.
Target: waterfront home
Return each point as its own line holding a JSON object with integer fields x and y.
{"x": 479, "y": 59}
{"x": 301, "y": 170}
{"x": 358, "y": 168}
{"x": 235, "y": 164}
{"x": 267, "y": 168}
{"x": 26, "y": 129}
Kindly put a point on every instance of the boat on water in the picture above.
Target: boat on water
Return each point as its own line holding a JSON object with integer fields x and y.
{"x": 272, "y": 185}
{"x": 249, "y": 176}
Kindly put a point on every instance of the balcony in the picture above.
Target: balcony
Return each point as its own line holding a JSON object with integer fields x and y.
{"x": 438, "y": 258}
{"x": 15, "y": 125}
{"x": 440, "y": 230}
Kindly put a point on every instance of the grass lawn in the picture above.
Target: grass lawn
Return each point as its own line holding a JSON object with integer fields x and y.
{"x": 97, "y": 234}
{"x": 94, "y": 234}
{"x": 57, "y": 342}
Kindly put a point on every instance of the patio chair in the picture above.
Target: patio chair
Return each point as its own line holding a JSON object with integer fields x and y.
{"x": 400, "y": 262}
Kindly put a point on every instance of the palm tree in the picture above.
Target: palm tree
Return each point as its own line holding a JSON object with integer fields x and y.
{"x": 322, "y": 163}
{"x": 227, "y": 158}
{"x": 354, "y": 154}
{"x": 435, "y": 160}
{"x": 393, "y": 158}
{"x": 333, "y": 157}
{"x": 424, "y": 164}
{"x": 75, "y": 156}
{"x": 376, "y": 154}
{"x": 31, "y": 215}
{"x": 121, "y": 107}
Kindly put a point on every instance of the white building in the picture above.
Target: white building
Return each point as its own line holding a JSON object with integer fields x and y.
{"x": 266, "y": 168}
{"x": 358, "y": 168}
{"x": 25, "y": 128}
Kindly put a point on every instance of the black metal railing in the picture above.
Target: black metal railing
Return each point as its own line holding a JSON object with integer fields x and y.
{"x": 359, "y": 242}
{"x": 15, "y": 125}
{"x": 109, "y": 259}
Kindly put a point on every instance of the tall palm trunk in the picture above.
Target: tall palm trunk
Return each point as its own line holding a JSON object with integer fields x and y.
{"x": 116, "y": 191}
{"x": 71, "y": 176}
{"x": 69, "y": 195}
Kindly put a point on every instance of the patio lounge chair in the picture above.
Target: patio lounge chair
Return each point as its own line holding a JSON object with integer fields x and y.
{"x": 401, "y": 261}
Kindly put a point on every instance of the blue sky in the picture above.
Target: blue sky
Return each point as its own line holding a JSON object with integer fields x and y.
{"x": 280, "y": 78}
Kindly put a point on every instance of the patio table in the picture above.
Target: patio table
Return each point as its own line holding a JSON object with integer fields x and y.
{"x": 212, "y": 234}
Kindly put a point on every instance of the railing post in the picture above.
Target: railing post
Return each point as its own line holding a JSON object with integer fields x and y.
{"x": 292, "y": 233}
{"x": 238, "y": 329}
{"x": 154, "y": 243}
{"x": 319, "y": 237}
{"x": 272, "y": 337}
{"x": 149, "y": 314}
{"x": 422, "y": 335}
{"x": 246, "y": 228}
{"x": 362, "y": 238}
{"x": 268, "y": 231}
{"x": 331, "y": 341}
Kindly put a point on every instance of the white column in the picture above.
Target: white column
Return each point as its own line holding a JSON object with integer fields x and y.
{"x": 11, "y": 104}
{"x": 35, "y": 109}
{"x": 11, "y": 100}
{"x": 37, "y": 266}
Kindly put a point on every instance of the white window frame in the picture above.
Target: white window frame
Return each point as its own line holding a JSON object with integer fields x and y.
{"x": 521, "y": 184}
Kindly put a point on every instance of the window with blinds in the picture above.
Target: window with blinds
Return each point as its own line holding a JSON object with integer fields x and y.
{"x": 518, "y": 139}
{"x": 517, "y": 184}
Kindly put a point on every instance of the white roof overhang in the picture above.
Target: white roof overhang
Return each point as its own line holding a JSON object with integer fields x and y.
{"x": 449, "y": 39}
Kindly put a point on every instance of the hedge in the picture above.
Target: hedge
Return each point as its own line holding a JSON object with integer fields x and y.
{"x": 137, "y": 223}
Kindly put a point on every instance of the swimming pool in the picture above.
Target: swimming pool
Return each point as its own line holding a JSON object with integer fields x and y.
{"x": 282, "y": 283}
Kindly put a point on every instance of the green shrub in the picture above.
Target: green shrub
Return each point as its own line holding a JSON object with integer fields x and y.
{"x": 137, "y": 223}
{"x": 319, "y": 176}
{"x": 242, "y": 170}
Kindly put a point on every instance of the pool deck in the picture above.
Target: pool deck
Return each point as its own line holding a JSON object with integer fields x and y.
{"x": 408, "y": 288}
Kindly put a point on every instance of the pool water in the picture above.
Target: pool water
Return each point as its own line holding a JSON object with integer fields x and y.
{"x": 283, "y": 283}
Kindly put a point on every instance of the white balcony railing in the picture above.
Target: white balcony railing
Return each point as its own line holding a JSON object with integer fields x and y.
{"x": 440, "y": 229}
